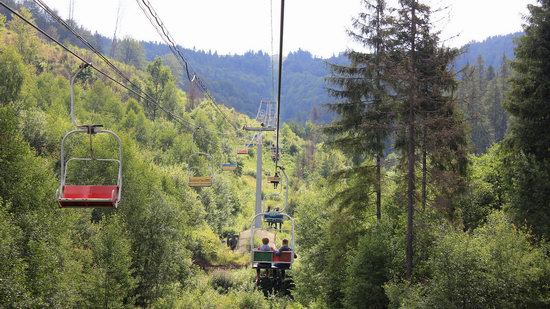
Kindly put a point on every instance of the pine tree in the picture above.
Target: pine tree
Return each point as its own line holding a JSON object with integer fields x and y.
{"x": 424, "y": 86}
{"x": 500, "y": 124}
{"x": 365, "y": 107}
{"x": 529, "y": 106}
{"x": 528, "y": 102}
{"x": 470, "y": 95}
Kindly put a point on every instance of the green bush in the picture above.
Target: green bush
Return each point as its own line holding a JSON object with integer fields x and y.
{"x": 497, "y": 266}
{"x": 221, "y": 281}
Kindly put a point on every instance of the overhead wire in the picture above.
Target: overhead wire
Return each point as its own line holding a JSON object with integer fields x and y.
{"x": 272, "y": 55}
{"x": 154, "y": 18}
{"x": 136, "y": 90}
{"x": 280, "y": 80}
{"x": 155, "y": 21}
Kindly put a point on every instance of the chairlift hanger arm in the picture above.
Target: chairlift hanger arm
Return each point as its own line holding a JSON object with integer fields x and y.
{"x": 81, "y": 67}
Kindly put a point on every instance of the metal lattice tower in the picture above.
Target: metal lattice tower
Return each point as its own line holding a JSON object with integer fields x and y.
{"x": 266, "y": 117}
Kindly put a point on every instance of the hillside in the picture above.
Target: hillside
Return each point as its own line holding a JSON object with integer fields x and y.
{"x": 164, "y": 233}
{"x": 492, "y": 50}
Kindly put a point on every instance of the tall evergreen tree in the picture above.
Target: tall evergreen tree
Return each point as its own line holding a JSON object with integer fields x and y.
{"x": 362, "y": 87}
{"x": 528, "y": 102}
{"x": 529, "y": 105}
{"x": 424, "y": 86}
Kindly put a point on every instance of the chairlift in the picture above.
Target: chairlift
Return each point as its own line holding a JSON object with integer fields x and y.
{"x": 229, "y": 166}
{"x": 248, "y": 146}
{"x": 275, "y": 155}
{"x": 88, "y": 196}
{"x": 274, "y": 217}
{"x": 201, "y": 181}
{"x": 275, "y": 262}
{"x": 274, "y": 180}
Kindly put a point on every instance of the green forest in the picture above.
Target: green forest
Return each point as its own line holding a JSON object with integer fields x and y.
{"x": 428, "y": 188}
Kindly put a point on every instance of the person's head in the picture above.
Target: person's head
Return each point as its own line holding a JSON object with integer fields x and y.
{"x": 268, "y": 208}
{"x": 285, "y": 242}
{"x": 265, "y": 240}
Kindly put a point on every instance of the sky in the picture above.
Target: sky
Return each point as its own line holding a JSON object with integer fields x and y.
{"x": 318, "y": 26}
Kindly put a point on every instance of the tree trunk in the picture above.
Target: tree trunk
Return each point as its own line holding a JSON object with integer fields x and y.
{"x": 378, "y": 188}
{"x": 411, "y": 149}
{"x": 410, "y": 192}
{"x": 379, "y": 156}
{"x": 424, "y": 168}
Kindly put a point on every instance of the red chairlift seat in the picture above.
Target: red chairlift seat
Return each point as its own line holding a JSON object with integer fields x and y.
{"x": 89, "y": 196}
{"x": 76, "y": 196}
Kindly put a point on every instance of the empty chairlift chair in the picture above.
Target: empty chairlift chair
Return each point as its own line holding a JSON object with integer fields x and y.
{"x": 88, "y": 196}
{"x": 229, "y": 166}
{"x": 201, "y": 181}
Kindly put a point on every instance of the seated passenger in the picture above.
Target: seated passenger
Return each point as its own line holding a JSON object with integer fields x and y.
{"x": 267, "y": 216}
{"x": 263, "y": 247}
{"x": 282, "y": 266}
{"x": 284, "y": 247}
{"x": 278, "y": 218}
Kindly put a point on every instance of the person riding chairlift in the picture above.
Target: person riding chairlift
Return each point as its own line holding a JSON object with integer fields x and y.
{"x": 267, "y": 217}
{"x": 279, "y": 218}
{"x": 264, "y": 247}
{"x": 283, "y": 248}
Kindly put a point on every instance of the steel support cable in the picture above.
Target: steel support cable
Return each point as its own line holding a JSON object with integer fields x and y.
{"x": 183, "y": 122}
{"x": 163, "y": 32}
{"x": 271, "y": 55}
{"x": 166, "y": 35}
{"x": 167, "y": 38}
{"x": 90, "y": 46}
{"x": 144, "y": 95}
{"x": 195, "y": 78}
{"x": 280, "y": 80}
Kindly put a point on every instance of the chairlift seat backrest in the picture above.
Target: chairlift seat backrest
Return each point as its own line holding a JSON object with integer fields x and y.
{"x": 283, "y": 257}
{"x": 200, "y": 181}
{"x": 263, "y": 256}
{"x": 229, "y": 166}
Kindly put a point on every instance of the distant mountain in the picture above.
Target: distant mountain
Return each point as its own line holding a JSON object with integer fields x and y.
{"x": 242, "y": 81}
{"x": 492, "y": 50}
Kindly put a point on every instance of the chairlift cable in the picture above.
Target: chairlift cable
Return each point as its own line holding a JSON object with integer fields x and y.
{"x": 272, "y": 55}
{"x": 280, "y": 80}
{"x": 57, "y": 18}
{"x": 174, "y": 47}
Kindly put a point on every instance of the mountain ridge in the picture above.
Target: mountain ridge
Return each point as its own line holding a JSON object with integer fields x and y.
{"x": 242, "y": 81}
